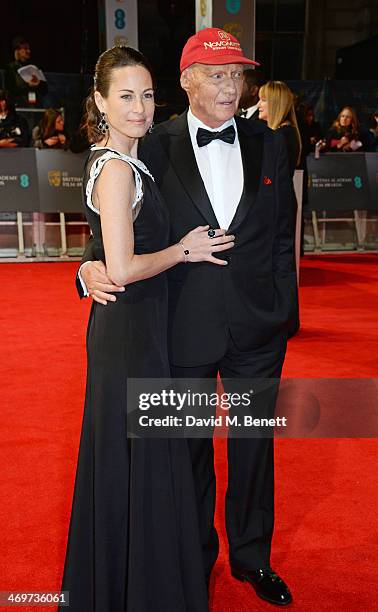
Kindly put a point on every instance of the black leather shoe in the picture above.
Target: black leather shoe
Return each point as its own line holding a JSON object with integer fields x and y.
{"x": 267, "y": 584}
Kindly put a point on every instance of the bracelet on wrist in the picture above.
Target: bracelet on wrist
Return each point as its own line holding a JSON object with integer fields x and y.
{"x": 186, "y": 251}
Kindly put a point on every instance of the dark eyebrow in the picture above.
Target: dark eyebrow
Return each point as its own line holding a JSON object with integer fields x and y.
{"x": 132, "y": 91}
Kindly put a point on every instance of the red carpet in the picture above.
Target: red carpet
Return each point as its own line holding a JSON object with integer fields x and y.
{"x": 325, "y": 542}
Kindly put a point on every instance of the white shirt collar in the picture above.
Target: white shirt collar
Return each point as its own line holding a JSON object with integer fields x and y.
{"x": 250, "y": 111}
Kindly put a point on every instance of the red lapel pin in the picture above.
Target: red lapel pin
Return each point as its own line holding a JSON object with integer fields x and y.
{"x": 267, "y": 180}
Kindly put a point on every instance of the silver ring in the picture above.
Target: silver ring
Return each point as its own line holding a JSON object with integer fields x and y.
{"x": 211, "y": 233}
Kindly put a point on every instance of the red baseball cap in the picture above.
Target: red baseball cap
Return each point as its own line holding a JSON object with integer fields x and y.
{"x": 213, "y": 46}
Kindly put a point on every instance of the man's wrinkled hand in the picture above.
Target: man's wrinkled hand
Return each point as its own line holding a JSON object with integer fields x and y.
{"x": 99, "y": 285}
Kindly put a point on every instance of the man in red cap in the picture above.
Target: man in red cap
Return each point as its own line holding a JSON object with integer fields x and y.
{"x": 216, "y": 169}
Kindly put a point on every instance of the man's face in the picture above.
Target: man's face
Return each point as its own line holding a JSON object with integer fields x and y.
{"x": 213, "y": 91}
{"x": 250, "y": 95}
{"x": 24, "y": 52}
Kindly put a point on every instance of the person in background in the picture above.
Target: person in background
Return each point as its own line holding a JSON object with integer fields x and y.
{"x": 22, "y": 92}
{"x": 276, "y": 107}
{"x": 310, "y": 130}
{"x": 50, "y": 134}
{"x": 248, "y": 104}
{"x": 345, "y": 134}
{"x": 14, "y": 131}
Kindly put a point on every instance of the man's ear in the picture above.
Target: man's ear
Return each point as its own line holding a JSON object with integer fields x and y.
{"x": 184, "y": 80}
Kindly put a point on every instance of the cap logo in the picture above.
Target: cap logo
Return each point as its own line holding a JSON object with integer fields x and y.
{"x": 223, "y": 35}
{"x": 223, "y": 44}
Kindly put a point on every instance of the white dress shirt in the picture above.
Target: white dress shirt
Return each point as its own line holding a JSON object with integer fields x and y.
{"x": 221, "y": 168}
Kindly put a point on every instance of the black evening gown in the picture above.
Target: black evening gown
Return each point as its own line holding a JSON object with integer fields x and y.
{"x": 133, "y": 542}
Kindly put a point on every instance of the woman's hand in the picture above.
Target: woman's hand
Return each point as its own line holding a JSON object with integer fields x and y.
{"x": 52, "y": 141}
{"x": 34, "y": 81}
{"x": 343, "y": 142}
{"x": 201, "y": 246}
{"x": 8, "y": 143}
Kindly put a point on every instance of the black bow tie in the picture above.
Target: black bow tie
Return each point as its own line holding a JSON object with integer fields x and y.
{"x": 205, "y": 136}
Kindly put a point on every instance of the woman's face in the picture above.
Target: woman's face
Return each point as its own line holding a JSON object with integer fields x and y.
{"x": 3, "y": 106}
{"x": 345, "y": 118}
{"x": 59, "y": 124}
{"x": 263, "y": 108}
{"x": 129, "y": 106}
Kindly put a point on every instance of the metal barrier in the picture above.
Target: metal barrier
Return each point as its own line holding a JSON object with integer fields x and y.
{"x": 34, "y": 246}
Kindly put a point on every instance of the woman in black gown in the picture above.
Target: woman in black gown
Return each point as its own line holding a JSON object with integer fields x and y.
{"x": 133, "y": 541}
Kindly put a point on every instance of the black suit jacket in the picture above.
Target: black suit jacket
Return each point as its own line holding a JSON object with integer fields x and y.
{"x": 254, "y": 296}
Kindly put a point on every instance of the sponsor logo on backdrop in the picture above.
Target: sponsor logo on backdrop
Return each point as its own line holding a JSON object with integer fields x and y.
{"x": 358, "y": 182}
{"x": 334, "y": 182}
{"x": 7, "y": 178}
{"x": 234, "y": 28}
{"x": 57, "y": 178}
{"x": 203, "y": 14}
{"x": 24, "y": 180}
{"x": 120, "y": 40}
{"x": 233, "y": 6}
{"x": 120, "y": 19}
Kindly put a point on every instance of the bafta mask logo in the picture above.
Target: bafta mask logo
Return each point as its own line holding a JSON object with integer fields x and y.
{"x": 55, "y": 178}
{"x": 120, "y": 41}
{"x": 223, "y": 35}
{"x": 235, "y": 28}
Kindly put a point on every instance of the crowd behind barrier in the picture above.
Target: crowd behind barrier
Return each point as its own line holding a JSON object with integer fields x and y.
{"x": 49, "y": 181}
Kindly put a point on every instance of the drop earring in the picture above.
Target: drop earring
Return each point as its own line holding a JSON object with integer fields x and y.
{"x": 102, "y": 125}
{"x": 150, "y": 129}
